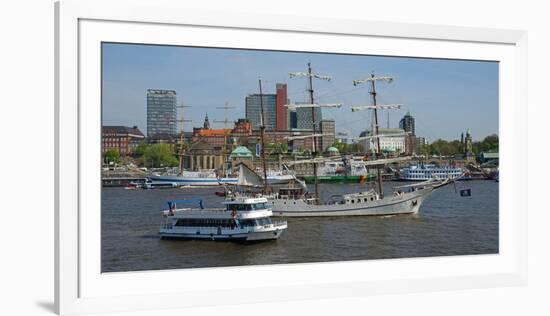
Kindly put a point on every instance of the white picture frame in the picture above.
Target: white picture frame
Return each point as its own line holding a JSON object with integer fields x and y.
{"x": 81, "y": 287}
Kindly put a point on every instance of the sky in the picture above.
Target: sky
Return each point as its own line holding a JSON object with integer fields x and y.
{"x": 446, "y": 97}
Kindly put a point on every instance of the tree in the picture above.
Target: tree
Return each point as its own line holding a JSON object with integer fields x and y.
{"x": 445, "y": 148}
{"x": 141, "y": 148}
{"x": 111, "y": 156}
{"x": 159, "y": 155}
{"x": 277, "y": 148}
{"x": 344, "y": 148}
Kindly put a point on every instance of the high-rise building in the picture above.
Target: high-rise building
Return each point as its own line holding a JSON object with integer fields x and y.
{"x": 407, "y": 124}
{"x": 253, "y": 110}
{"x": 282, "y": 111}
{"x": 161, "y": 112}
{"x": 292, "y": 120}
{"x": 304, "y": 118}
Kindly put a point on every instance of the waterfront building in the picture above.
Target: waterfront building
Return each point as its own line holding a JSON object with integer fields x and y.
{"x": 161, "y": 112}
{"x": 226, "y": 136}
{"x": 253, "y": 110}
{"x": 328, "y": 127}
{"x": 203, "y": 156}
{"x": 121, "y": 138}
{"x": 388, "y": 143}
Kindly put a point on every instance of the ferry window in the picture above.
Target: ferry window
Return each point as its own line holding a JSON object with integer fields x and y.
{"x": 244, "y": 207}
{"x": 259, "y": 206}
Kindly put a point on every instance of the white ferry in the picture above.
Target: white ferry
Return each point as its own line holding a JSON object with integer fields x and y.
{"x": 210, "y": 178}
{"x": 423, "y": 172}
{"x": 242, "y": 219}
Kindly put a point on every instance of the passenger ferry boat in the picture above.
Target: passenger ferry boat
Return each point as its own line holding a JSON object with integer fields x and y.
{"x": 242, "y": 219}
{"x": 423, "y": 172}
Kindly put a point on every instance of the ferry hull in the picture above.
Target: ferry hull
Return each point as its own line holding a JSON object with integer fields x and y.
{"x": 242, "y": 237}
{"x": 407, "y": 203}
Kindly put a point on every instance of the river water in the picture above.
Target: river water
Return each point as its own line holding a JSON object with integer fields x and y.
{"x": 447, "y": 224}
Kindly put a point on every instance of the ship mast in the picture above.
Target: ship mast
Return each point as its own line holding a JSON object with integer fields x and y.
{"x": 262, "y": 132}
{"x": 378, "y": 153}
{"x": 376, "y": 107}
{"x": 310, "y": 75}
{"x": 181, "y": 149}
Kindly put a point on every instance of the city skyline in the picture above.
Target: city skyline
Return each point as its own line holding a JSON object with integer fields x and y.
{"x": 445, "y": 97}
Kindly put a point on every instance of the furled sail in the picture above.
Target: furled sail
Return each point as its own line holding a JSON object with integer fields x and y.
{"x": 385, "y": 161}
{"x": 247, "y": 177}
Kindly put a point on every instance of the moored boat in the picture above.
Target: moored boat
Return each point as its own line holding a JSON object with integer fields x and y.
{"x": 423, "y": 172}
{"x": 210, "y": 178}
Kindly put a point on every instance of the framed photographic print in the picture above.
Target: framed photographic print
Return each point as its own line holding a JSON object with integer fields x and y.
{"x": 201, "y": 155}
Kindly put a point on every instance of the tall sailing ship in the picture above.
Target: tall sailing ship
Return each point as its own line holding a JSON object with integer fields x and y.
{"x": 294, "y": 201}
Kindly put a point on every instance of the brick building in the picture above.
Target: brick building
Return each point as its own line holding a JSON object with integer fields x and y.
{"x": 121, "y": 138}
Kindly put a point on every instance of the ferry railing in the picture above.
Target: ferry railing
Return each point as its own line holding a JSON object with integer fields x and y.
{"x": 215, "y": 228}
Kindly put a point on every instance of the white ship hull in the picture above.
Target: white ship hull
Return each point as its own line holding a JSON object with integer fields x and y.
{"x": 212, "y": 233}
{"x": 242, "y": 219}
{"x": 405, "y": 203}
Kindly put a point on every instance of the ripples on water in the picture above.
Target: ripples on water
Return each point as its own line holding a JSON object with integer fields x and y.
{"x": 447, "y": 224}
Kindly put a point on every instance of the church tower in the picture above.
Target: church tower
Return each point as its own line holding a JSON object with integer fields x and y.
{"x": 468, "y": 153}
{"x": 206, "y": 124}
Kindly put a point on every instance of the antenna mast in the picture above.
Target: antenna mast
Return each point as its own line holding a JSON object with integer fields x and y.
{"x": 181, "y": 149}
{"x": 224, "y": 121}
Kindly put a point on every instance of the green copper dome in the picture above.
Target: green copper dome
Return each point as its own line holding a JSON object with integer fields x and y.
{"x": 241, "y": 152}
